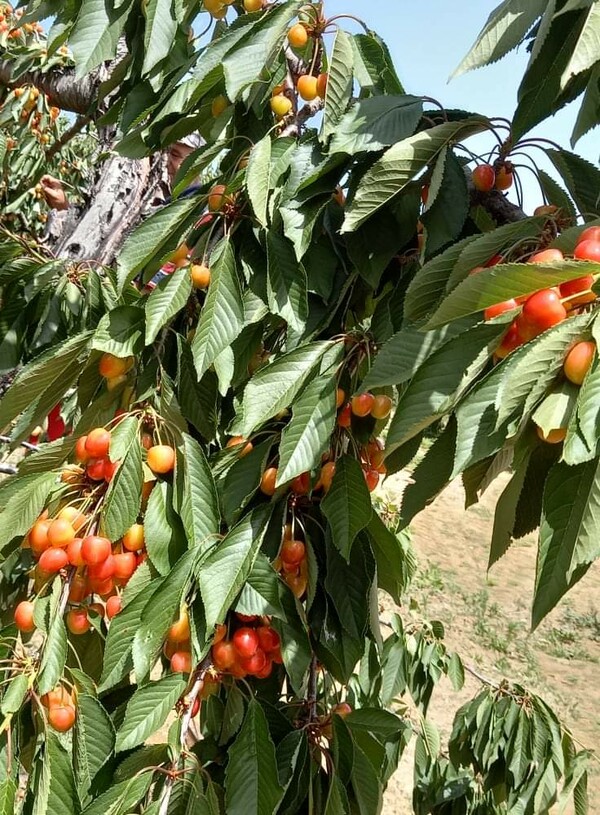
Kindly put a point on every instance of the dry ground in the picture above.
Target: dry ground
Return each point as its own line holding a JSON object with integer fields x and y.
{"x": 487, "y": 622}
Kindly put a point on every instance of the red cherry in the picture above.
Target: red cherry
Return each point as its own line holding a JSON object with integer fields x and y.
{"x": 543, "y": 310}
{"x": 95, "y": 549}
{"x": 78, "y": 621}
{"x": 96, "y": 469}
{"x": 511, "y": 340}
{"x": 255, "y": 663}
{"x": 97, "y": 443}
{"x": 484, "y": 177}
{"x": 580, "y": 284}
{"x": 499, "y": 308}
{"x": 372, "y": 479}
{"x": 588, "y": 250}
{"x": 245, "y": 642}
{"x": 113, "y": 606}
{"x": 592, "y": 233}
{"x": 23, "y": 616}
{"x": 547, "y": 256}
{"x": 81, "y": 454}
{"x": 362, "y": 404}
{"x": 125, "y": 565}
{"x": 103, "y": 570}
{"x": 268, "y": 638}
{"x": 38, "y": 537}
{"x": 301, "y": 484}
{"x": 223, "y": 655}
{"x": 494, "y": 261}
{"x": 504, "y": 179}
{"x": 53, "y": 560}
{"x": 62, "y": 718}
{"x": 110, "y": 468}
{"x": 344, "y": 418}
{"x": 293, "y": 552}
{"x": 181, "y": 662}
{"x": 60, "y": 532}
{"x": 74, "y": 552}
{"x": 266, "y": 671}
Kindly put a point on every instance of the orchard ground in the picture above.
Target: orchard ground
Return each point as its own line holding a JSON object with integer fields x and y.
{"x": 487, "y": 622}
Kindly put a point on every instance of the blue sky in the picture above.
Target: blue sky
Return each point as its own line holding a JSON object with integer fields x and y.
{"x": 428, "y": 40}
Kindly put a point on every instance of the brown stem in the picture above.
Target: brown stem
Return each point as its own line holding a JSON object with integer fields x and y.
{"x": 312, "y": 689}
{"x": 60, "y": 85}
{"x": 69, "y": 134}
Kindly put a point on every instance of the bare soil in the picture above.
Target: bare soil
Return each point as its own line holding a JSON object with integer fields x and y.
{"x": 487, "y": 621}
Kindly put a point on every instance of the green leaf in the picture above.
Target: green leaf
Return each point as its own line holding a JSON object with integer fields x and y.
{"x": 260, "y": 594}
{"x": 274, "y": 387}
{"x": 295, "y": 643}
{"x": 587, "y": 49}
{"x": 505, "y": 515}
{"x": 505, "y": 29}
{"x": 57, "y": 781}
{"x": 251, "y": 780}
{"x": 375, "y": 123}
{"x": 120, "y": 332}
{"x": 54, "y": 654}
{"x": 348, "y": 585}
{"x": 122, "y": 797}
{"x": 339, "y": 83}
{"x": 93, "y": 742}
{"x": 374, "y": 68}
{"x": 198, "y": 400}
{"x": 199, "y": 507}
{"x": 556, "y": 409}
{"x": 499, "y": 283}
{"x": 438, "y": 385}
{"x": 164, "y": 535}
{"x": 569, "y": 533}
{"x": 555, "y": 194}
{"x": 258, "y": 178}
{"x": 347, "y": 505}
{"x": 8, "y": 795}
{"x": 14, "y": 694}
{"x": 365, "y": 784}
{"x": 456, "y": 672}
{"x": 147, "y": 710}
{"x": 23, "y": 500}
{"x": 45, "y": 374}
{"x": 286, "y": 283}
{"x": 448, "y": 204}
{"x": 123, "y": 497}
{"x": 393, "y": 171}
{"x": 222, "y": 317}
{"x": 588, "y": 407}
{"x": 95, "y": 35}
{"x": 582, "y": 180}
{"x": 159, "y": 33}
{"x": 152, "y": 235}
{"x": 394, "y": 556}
{"x": 404, "y": 353}
{"x": 227, "y": 568}
{"x": 589, "y": 110}
{"x": 166, "y": 300}
{"x": 243, "y": 479}
{"x": 308, "y": 434}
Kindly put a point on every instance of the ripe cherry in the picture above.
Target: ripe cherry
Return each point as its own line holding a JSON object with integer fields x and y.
{"x": 484, "y": 177}
{"x": 298, "y": 36}
{"x": 308, "y": 87}
{"x": 234, "y": 441}
{"x": 60, "y": 532}
{"x": 23, "y": 616}
{"x": 547, "y": 256}
{"x": 322, "y": 81}
{"x": 97, "y": 443}
{"x": 577, "y": 286}
{"x": 216, "y": 198}
{"x": 256, "y": 663}
{"x": 382, "y": 407}
{"x": 499, "y": 308}
{"x": 133, "y": 539}
{"x": 588, "y": 250}
{"x": 343, "y": 709}
{"x": 554, "y": 436}
{"x": 340, "y": 397}
{"x": 95, "y": 549}
{"x": 53, "y": 560}
{"x": 181, "y": 662}
{"x": 161, "y": 459}
{"x": 504, "y": 179}
{"x": 268, "y": 638}
{"x": 111, "y": 366}
{"x": 78, "y": 621}
{"x": 344, "y": 418}
{"x": 180, "y": 630}
{"x": 579, "y": 361}
{"x": 592, "y": 233}
{"x": 293, "y": 552}
{"x": 220, "y": 633}
{"x": 543, "y": 310}
{"x": 78, "y": 589}
{"x": 200, "y": 275}
{"x": 38, "y": 537}
{"x": 297, "y": 583}
{"x": 125, "y": 564}
{"x": 113, "y": 606}
{"x": 218, "y": 105}
{"x": 81, "y": 454}
{"x": 59, "y": 697}
{"x": 76, "y": 518}
{"x": 301, "y": 484}
{"x": 362, "y": 404}
{"x": 253, "y": 5}
{"x": 61, "y": 718}
{"x": 110, "y": 468}
{"x": 96, "y": 469}
{"x": 511, "y": 340}
{"x": 281, "y": 105}
{"x": 223, "y": 655}
{"x": 74, "y": 552}
{"x": 245, "y": 642}
{"x": 267, "y": 482}
{"x": 102, "y": 571}
{"x": 372, "y": 479}
{"x": 326, "y": 477}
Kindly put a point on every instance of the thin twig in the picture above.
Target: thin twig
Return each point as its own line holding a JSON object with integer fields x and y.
{"x": 26, "y": 444}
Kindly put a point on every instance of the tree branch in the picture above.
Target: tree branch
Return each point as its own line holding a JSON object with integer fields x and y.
{"x": 60, "y": 85}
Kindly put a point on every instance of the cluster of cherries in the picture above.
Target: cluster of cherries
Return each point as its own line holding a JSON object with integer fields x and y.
{"x": 218, "y": 8}
{"x": 308, "y": 86}
{"x": 548, "y": 307}
{"x": 248, "y": 646}
{"x": 487, "y": 178}
{"x": 292, "y": 563}
{"x": 366, "y": 404}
